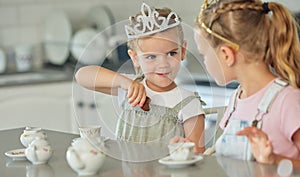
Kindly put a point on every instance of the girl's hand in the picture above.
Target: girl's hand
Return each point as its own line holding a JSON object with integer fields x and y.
{"x": 178, "y": 139}
{"x": 136, "y": 94}
{"x": 261, "y": 147}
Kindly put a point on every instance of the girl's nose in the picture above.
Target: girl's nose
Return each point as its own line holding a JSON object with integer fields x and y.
{"x": 162, "y": 61}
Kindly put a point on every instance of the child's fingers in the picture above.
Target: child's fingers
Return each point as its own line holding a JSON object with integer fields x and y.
{"x": 247, "y": 131}
{"x": 252, "y": 133}
{"x": 175, "y": 139}
{"x": 138, "y": 97}
{"x": 178, "y": 139}
{"x": 133, "y": 101}
{"x": 186, "y": 140}
{"x": 142, "y": 100}
{"x": 131, "y": 90}
{"x": 136, "y": 94}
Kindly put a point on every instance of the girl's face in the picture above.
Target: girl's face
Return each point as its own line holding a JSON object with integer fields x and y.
{"x": 213, "y": 64}
{"x": 159, "y": 58}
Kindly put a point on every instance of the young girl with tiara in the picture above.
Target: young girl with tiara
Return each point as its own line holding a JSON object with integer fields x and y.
{"x": 256, "y": 44}
{"x": 156, "y": 47}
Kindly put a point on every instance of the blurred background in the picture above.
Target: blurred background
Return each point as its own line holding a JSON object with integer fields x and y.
{"x": 43, "y": 42}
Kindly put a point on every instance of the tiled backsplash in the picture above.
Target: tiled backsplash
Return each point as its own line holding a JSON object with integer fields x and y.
{"x": 22, "y": 21}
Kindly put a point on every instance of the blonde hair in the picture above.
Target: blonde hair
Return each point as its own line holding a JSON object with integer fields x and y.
{"x": 247, "y": 24}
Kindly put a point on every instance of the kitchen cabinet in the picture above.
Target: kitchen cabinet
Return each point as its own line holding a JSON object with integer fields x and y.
{"x": 40, "y": 105}
{"x": 94, "y": 109}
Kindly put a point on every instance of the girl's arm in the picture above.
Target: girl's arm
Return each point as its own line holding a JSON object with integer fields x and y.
{"x": 101, "y": 79}
{"x": 106, "y": 81}
{"x": 195, "y": 131}
{"x": 262, "y": 148}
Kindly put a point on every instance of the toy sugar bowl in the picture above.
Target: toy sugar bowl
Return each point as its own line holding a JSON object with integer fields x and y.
{"x": 38, "y": 151}
{"x": 85, "y": 157}
{"x": 30, "y": 133}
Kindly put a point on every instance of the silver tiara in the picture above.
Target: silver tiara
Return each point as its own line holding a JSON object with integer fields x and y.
{"x": 144, "y": 25}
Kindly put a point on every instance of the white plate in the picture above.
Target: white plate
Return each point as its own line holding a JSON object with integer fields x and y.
{"x": 89, "y": 47}
{"x": 2, "y": 61}
{"x": 101, "y": 17}
{"x": 57, "y": 37}
{"x": 16, "y": 154}
{"x": 180, "y": 163}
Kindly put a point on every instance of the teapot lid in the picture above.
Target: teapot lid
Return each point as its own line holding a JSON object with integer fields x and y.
{"x": 32, "y": 129}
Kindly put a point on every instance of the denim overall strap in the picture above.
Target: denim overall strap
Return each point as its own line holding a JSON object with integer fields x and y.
{"x": 232, "y": 107}
{"x": 271, "y": 94}
{"x": 267, "y": 100}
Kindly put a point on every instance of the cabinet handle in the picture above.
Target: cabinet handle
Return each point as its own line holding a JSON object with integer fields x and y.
{"x": 80, "y": 104}
{"x": 92, "y": 105}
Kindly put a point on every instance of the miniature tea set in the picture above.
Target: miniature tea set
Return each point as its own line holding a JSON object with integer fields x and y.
{"x": 37, "y": 148}
{"x": 85, "y": 155}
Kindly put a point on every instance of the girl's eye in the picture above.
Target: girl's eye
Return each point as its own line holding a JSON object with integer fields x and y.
{"x": 150, "y": 57}
{"x": 171, "y": 54}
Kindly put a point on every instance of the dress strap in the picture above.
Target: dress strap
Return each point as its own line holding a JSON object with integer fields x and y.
{"x": 187, "y": 100}
{"x": 139, "y": 78}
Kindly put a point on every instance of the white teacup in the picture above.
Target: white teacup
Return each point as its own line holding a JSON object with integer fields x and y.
{"x": 181, "y": 150}
{"x": 23, "y": 57}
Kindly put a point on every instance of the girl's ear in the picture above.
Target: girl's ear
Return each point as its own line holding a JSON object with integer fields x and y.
{"x": 228, "y": 55}
{"x": 134, "y": 57}
{"x": 183, "y": 50}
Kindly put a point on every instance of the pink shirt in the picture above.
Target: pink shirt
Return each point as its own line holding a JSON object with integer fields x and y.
{"x": 280, "y": 123}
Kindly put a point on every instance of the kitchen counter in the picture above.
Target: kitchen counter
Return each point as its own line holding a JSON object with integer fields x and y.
{"x": 40, "y": 76}
{"x": 57, "y": 165}
{"x": 50, "y": 73}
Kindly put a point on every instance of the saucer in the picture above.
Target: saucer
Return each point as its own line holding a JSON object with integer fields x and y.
{"x": 16, "y": 154}
{"x": 179, "y": 163}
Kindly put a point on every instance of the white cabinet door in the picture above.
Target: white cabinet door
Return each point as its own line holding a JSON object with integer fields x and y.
{"x": 94, "y": 108}
{"x": 45, "y": 105}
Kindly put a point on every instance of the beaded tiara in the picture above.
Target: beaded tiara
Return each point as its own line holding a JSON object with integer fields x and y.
{"x": 149, "y": 22}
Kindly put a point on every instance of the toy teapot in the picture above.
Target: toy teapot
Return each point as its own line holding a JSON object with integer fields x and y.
{"x": 85, "y": 157}
{"x": 38, "y": 151}
{"x": 30, "y": 133}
